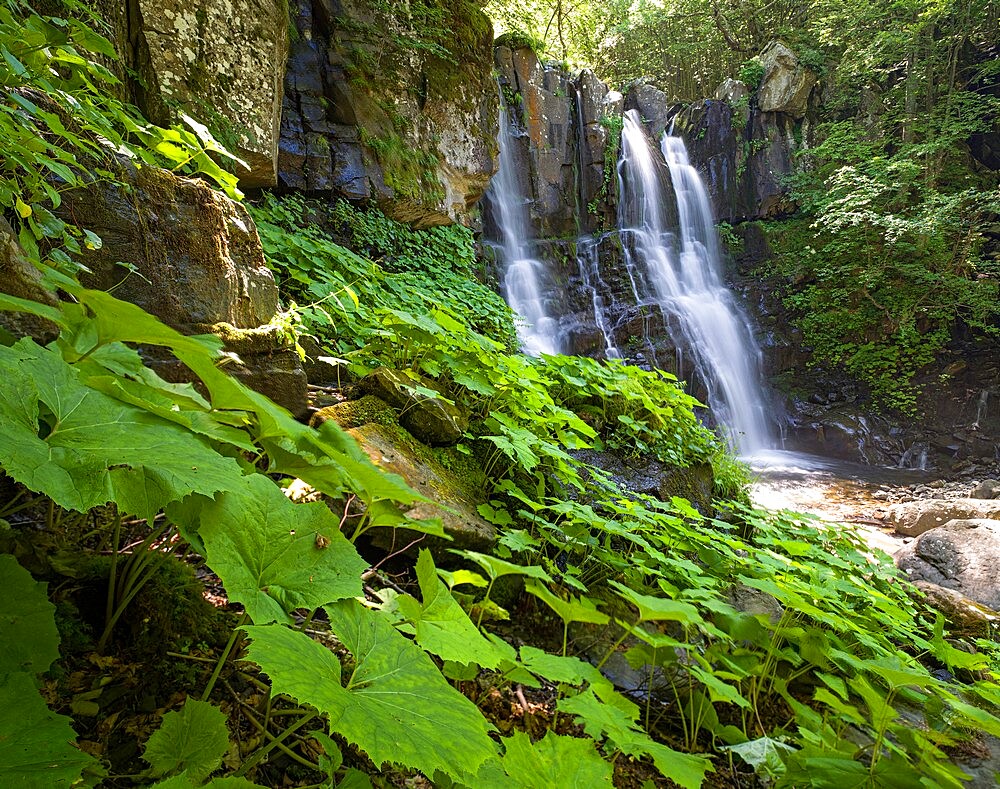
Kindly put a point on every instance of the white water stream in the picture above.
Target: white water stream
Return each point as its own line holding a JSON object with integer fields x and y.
{"x": 523, "y": 274}
{"x": 680, "y": 273}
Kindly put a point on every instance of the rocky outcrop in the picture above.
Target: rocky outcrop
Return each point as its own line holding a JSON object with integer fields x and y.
{"x": 962, "y": 555}
{"x": 987, "y": 489}
{"x": 220, "y": 61}
{"x": 913, "y": 518}
{"x": 367, "y": 117}
{"x": 744, "y": 155}
{"x": 786, "y": 84}
{"x": 196, "y": 263}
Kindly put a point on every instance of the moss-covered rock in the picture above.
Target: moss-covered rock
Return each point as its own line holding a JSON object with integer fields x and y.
{"x": 451, "y": 482}
{"x": 433, "y": 420}
{"x": 367, "y": 410}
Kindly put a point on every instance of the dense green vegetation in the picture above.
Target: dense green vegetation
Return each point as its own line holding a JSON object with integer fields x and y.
{"x": 765, "y": 645}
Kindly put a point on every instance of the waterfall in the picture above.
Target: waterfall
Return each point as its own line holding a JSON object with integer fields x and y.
{"x": 522, "y": 273}
{"x": 680, "y": 273}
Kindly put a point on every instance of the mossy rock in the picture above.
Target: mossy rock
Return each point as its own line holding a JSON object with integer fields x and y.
{"x": 355, "y": 413}
{"x": 433, "y": 420}
{"x": 450, "y": 481}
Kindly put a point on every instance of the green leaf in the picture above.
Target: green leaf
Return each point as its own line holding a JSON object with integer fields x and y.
{"x": 29, "y": 641}
{"x": 659, "y": 609}
{"x": 82, "y": 448}
{"x": 497, "y": 568}
{"x": 35, "y": 743}
{"x": 556, "y": 668}
{"x": 192, "y": 740}
{"x": 616, "y": 721}
{"x": 554, "y": 761}
{"x": 763, "y": 754}
{"x": 442, "y": 627}
{"x": 274, "y": 556}
{"x": 396, "y": 706}
{"x": 581, "y": 609}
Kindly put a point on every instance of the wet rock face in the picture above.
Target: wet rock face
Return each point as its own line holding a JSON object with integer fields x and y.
{"x": 364, "y": 118}
{"x": 199, "y": 268}
{"x": 961, "y": 555}
{"x": 744, "y": 156}
{"x": 222, "y": 61}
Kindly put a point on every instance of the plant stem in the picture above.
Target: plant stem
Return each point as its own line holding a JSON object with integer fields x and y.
{"x": 257, "y": 756}
{"x": 224, "y": 657}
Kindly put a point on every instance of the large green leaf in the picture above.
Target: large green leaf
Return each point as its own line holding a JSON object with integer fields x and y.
{"x": 442, "y": 627}
{"x": 192, "y": 740}
{"x": 35, "y": 743}
{"x": 566, "y": 762}
{"x": 396, "y": 706}
{"x": 616, "y": 721}
{"x": 274, "y": 556}
{"x": 83, "y": 449}
{"x": 582, "y": 609}
{"x": 29, "y": 640}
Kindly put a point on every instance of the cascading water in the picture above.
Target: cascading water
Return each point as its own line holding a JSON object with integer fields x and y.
{"x": 522, "y": 273}
{"x": 680, "y": 274}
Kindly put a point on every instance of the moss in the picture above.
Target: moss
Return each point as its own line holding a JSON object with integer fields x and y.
{"x": 355, "y": 413}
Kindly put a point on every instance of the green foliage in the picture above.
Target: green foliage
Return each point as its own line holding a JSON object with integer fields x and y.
{"x": 35, "y": 743}
{"x": 751, "y": 73}
{"x": 392, "y": 265}
{"x": 893, "y": 261}
{"x": 395, "y": 705}
{"x": 277, "y": 556}
{"x": 192, "y": 740}
{"x": 61, "y": 127}
{"x": 29, "y": 641}
{"x": 841, "y": 651}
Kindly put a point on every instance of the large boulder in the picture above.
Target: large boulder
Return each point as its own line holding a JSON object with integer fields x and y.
{"x": 786, "y": 84}
{"x": 913, "y": 518}
{"x": 197, "y": 264}
{"x": 366, "y": 117}
{"x": 655, "y": 107}
{"x": 220, "y": 61}
{"x": 962, "y": 555}
{"x": 987, "y": 489}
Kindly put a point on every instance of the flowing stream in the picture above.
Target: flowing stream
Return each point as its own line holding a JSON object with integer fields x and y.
{"x": 680, "y": 273}
{"x": 522, "y": 273}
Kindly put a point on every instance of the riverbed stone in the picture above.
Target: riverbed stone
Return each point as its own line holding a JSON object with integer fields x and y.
{"x": 961, "y": 555}
{"x": 987, "y": 489}
{"x": 434, "y": 420}
{"x": 913, "y": 518}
